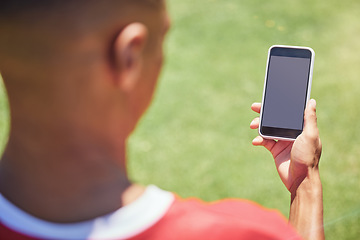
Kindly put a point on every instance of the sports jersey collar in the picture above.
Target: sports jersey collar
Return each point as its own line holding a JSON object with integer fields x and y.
{"x": 126, "y": 222}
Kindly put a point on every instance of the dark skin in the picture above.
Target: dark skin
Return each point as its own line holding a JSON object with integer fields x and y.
{"x": 71, "y": 116}
{"x": 65, "y": 160}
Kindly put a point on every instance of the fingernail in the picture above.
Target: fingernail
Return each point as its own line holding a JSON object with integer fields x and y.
{"x": 312, "y": 102}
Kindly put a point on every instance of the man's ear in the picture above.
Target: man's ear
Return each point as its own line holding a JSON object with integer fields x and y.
{"x": 128, "y": 54}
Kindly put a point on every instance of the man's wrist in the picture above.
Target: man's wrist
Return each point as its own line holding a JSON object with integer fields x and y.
{"x": 309, "y": 185}
{"x": 306, "y": 209}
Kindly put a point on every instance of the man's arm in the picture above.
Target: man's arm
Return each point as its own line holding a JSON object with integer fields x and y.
{"x": 306, "y": 209}
{"x": 298, "y": 166}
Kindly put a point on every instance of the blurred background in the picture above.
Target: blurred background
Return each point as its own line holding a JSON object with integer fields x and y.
{"x": 195, "y": 139}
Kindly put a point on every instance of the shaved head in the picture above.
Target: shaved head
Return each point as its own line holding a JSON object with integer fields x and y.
{"x": 69, "y": 17}
{"x": 41, "y": 30}
{"x": 53, "y": 50}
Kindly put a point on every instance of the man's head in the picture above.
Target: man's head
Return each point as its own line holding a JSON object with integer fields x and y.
{"x": 87, "y": 64}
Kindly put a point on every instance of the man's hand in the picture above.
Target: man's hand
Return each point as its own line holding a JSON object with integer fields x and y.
{"x": 293, "y": 160}
{"x": 297, "y": 164}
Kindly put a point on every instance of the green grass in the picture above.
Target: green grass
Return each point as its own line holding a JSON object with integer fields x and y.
{"x": 195, "y": 139}
{"x": 4, "y": 116}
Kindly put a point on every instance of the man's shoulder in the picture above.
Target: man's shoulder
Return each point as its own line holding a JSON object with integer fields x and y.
{"x": 7, "y": 233}
{"x": 224, "y": 219}
{"x": 157, "y": 214}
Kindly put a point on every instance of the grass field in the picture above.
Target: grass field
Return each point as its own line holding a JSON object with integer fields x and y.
{"x": 195, "y": 139}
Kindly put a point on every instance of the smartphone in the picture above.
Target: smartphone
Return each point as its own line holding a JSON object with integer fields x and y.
{"x": 286, "y": 91}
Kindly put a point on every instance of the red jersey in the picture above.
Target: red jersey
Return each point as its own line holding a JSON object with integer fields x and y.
{"x": 156, "y": 215}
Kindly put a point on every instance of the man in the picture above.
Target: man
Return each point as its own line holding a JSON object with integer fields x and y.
{"x": 79, "y": 75}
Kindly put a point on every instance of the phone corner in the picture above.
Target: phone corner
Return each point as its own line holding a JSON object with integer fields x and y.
{"x": 311, "y": 50}
{"x": 262, "y": 134}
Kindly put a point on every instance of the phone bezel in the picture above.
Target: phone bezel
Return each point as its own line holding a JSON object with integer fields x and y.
{"x": 286, "y": 51}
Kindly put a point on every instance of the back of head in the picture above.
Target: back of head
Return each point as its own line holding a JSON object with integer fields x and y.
{"x": 57, "y": 56}
{"x": 39, "y": 28}
{"x": 46, "y": 44}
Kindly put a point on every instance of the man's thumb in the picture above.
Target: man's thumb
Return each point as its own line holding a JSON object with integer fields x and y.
{"x": 310, "y": 119}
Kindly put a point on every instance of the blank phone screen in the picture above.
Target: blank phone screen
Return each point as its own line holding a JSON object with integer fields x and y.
{"x": 285, "y": 94}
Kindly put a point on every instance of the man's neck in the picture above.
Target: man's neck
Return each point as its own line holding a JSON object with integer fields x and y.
{"x": 65, "y": 181}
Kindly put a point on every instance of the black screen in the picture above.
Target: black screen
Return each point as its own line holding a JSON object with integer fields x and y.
{"x": 285, "y": 94}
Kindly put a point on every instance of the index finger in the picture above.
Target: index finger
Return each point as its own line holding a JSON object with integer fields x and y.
{"x": 256, "y": 107}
